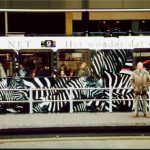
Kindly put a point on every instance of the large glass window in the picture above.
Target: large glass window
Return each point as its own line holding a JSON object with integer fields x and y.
{"x": 35, "y": 62}
{"x": 142, "y": 55}
{"x": 37, "y": 23}
{"x": 7, "y": 63}
{"x": 71, "y": 62}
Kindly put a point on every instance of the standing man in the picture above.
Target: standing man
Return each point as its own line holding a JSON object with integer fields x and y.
{"x": 140, "y": 81}
{"x": 22, "y": 71}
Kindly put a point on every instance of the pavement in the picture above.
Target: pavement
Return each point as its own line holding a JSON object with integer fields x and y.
{"x": 75, "y": 130}
{"x": 59, "y": 120}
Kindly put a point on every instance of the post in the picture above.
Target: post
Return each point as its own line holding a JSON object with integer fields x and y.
{"x": 110, "y": 98}
{"x": 69, "y": 23}
{"x": 149, "y": 98}
{"x": 6, "y": 23}
{"x": 71, "y": 100}
{"x": 30, "y": 101}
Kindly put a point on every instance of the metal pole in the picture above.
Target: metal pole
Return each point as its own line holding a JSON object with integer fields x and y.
{"x": 6, "y": 23}
{"x": 77, "y": 10}
{"x": 31, "y": 101}
{"x": 71, "y": 100}
{"x": 110, "y": 98}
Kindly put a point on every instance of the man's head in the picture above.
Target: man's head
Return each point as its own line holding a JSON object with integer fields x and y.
{"x": 139, "y": 65}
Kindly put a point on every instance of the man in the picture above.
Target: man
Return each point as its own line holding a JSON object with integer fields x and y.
{"x": 140, "y": 81}
{"x": 22, "y": 71}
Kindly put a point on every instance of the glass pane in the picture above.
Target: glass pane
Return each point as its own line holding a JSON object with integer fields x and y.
{"x": 72, "y": 62}
{"x": 7, "y": 58}
{"x": 142, "y": 55}
{"x": 35, "y": 62}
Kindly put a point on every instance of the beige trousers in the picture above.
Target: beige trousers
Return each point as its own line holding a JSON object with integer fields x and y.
{"x": 136, "y": 103}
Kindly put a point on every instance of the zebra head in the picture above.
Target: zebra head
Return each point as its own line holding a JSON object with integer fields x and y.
{"x": 10, "y": 93}
{"x": 93, "y": 86}
{"x": 17, "y": 83}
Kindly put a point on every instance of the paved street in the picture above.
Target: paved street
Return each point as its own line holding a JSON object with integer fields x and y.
{"x": 132, "y": 142}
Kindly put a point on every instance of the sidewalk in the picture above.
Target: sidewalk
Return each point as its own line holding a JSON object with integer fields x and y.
{"x": 20, "y": 121}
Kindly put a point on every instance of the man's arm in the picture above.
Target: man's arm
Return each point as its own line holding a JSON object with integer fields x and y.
{"x": 132, "y": 80}
{"x": 148, "y": 80}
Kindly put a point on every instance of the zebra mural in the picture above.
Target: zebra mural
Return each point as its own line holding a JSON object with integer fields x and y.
{"x": 123, "y": 91}
{"x": 106, "y": 67}
{"x": 63, "y": 95}
{"x": 102, "y": 61}
{"x": 108, "y": 64}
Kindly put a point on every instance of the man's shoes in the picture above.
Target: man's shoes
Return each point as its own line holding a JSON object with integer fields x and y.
{"x": 145, "y": 115}
{"x": 136, "y": 115}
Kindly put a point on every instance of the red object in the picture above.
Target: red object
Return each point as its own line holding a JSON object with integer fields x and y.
{"x": 146, "y": 62}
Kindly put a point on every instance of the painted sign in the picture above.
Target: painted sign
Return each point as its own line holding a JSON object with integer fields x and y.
{"x": 122, "y": 42}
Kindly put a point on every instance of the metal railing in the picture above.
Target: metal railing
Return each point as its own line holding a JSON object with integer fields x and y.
{"x": 31, "y": 100}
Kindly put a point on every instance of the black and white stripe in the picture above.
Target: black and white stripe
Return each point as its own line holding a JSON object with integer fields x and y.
{"x": 102, "y": 60}
{"x": 108, "y": 65}
{"x": 62, "y": 95}
{"x": 11, "y": 95}
{"x": 112, "y": 60}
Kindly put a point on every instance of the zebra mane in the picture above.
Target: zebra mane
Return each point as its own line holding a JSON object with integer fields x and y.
{"x": 116, "y": 79}
{"x": 112, "y": 60}
{"x": 16, "y": 82}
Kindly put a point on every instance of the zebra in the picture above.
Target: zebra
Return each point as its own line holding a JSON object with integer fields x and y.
{"x": 115, "y": 80}
{"x": 121, "y": 90}
{"x": 108, "y": 64}
{"x": 11, "y": 95}
{"x": 62, "y": 95}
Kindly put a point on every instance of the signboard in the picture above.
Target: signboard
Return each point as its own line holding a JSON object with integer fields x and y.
{"x": 122, "y": 42}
